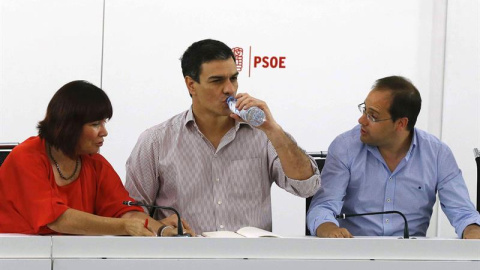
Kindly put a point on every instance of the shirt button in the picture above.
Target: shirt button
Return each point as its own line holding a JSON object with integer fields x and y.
{"x": 219, "y": 202}
{"x": 388, "y": 200}
{"x": 218, "y": 179}
{"x": 387, "y": 220}
{"x": 390, "y": 178}
{"x": 221, "y": 226}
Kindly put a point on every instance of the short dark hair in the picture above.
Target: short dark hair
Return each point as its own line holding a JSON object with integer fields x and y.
{"x": 406, "y": 100}
{"x": 203, "y": 51}
{"x": 73, "y": 105}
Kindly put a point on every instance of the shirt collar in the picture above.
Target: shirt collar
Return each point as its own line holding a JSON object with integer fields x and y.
{"x": 413, "y": 145}
{"x": 190, "y": 118}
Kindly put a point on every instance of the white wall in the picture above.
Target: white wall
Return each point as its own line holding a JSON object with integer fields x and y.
{"x": 44, "y": 44}
{"x": 334, "y": 52}
{"x": 461, "y": 129}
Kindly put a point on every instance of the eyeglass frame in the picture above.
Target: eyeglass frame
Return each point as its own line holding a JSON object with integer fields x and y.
{"x": 363, "y": 110}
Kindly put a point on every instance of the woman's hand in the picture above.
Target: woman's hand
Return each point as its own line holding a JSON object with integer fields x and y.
{"x": 136, "y": 227}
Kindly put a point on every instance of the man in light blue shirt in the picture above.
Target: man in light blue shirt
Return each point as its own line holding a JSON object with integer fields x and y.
{"x": 386, "y": 164}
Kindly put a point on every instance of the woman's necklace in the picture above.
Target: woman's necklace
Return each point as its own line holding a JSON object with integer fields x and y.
{"x": 58, "y": 167}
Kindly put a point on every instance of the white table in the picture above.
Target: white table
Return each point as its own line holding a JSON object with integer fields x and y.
{"x": 108, "y": 252}
{"x": 73, "y": 252}
{"x": 19, "y": 251}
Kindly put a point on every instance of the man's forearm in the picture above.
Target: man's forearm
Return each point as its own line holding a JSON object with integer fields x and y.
{"x": 295, "y": 163}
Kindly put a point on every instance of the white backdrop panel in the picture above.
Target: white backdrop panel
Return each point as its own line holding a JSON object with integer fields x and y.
{"x": 334, "y": 52}
{"x": 461, "y": 128}
{"x": 44, "y": 44}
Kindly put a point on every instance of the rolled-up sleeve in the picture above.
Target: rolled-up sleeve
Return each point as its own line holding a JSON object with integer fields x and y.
{"x": 303, "y": 188}
{"x": 453, "y": 193}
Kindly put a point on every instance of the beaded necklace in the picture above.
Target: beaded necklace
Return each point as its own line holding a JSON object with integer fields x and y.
{"x": 58, "y": 167}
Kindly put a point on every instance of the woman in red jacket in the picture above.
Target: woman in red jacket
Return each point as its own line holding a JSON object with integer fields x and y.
{"x": 57, "y": 182}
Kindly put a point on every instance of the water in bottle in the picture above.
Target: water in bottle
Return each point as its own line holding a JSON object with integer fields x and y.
{"x": 253, "y": 115}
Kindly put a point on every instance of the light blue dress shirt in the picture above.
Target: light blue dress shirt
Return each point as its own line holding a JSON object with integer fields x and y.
{"x": 356, "y": 179}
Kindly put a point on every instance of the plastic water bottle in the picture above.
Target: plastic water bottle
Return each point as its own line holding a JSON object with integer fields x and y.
{"x": 254, "y": 115}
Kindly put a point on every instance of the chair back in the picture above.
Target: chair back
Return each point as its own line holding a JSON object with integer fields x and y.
{"x": 477, "y": 160}
{"x": 320, "y": 159}
{"x": 5, "y": 149}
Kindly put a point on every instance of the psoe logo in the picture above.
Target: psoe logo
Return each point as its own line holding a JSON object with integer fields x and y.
{"x": 238, "y": 52}
{"x": 259, "y": 61}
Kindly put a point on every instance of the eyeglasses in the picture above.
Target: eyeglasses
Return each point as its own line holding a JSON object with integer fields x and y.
{"x": 363, "y": 109}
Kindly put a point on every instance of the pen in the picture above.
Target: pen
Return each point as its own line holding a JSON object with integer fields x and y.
{"x": 146, "y": 223}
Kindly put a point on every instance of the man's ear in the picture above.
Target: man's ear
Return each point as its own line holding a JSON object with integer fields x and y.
{"x": 190, "y": 83}
{"x": 402, "y": 123}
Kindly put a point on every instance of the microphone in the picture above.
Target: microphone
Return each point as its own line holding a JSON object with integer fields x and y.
{"x": 179, "y": 222}
{"x": 406, "y": 235}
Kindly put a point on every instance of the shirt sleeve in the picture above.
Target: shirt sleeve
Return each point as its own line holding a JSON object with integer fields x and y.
{"x": 328, "y": 201}
{"x": 142, "y": 180}
{"x": 303, "y": 188}
{"x": 110, "y": 191}
{"x": 453, "y": 193}
{"x": 30, "y": 200}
